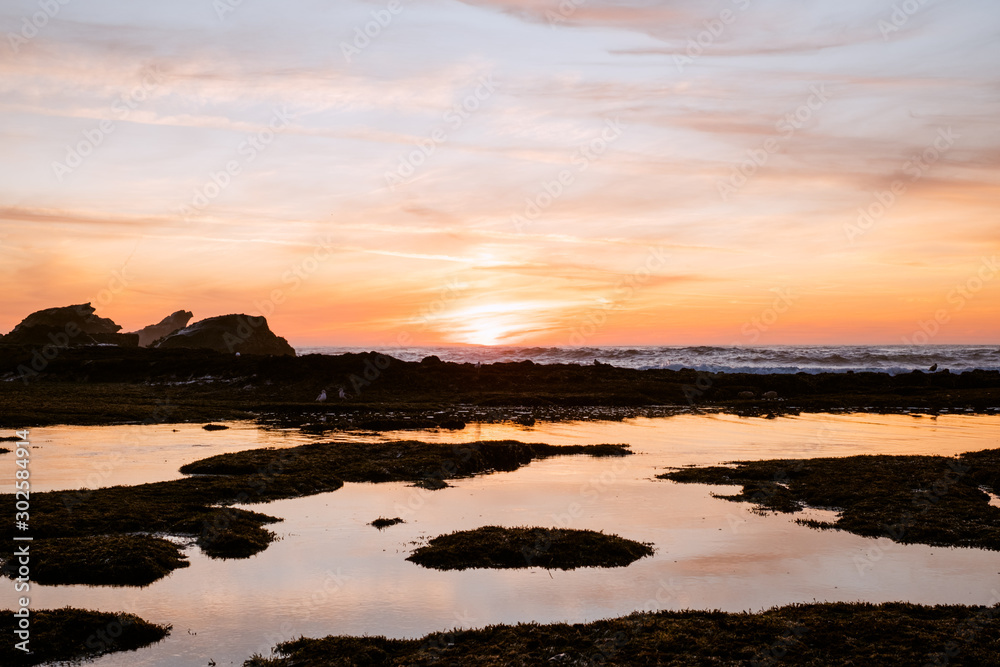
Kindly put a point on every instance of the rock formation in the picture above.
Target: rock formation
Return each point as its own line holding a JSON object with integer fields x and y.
{"x": 168, "y": 325}
{"x": 230, "y": 334}
{"x": 82, "y": 316}
{"x": 68, "y": 326}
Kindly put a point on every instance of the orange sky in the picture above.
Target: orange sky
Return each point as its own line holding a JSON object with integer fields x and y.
{"x": 502, "y": 171}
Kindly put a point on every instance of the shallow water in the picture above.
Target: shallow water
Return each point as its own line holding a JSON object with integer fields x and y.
{"x": 333, "y": 574}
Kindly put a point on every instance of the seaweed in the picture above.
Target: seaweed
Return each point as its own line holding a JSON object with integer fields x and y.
{"x": 801, "y": 634}
{"x": 935, "y": 500}
{"x": 70, "y": 634}
{"x": 121, "y": 560}
{"x": 505, "y": 548}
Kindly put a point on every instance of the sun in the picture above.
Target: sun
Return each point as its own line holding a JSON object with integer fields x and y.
{"x": 486, "y": 334}
{"x": 507, "y": 323}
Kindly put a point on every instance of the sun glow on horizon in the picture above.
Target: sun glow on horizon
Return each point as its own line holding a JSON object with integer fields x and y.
{"x": 496, "y": 323}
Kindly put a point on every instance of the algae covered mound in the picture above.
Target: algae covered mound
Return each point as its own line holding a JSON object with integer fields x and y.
{"x": 73, "y": 635}
{"x": 812, "y": 634}
{"x": 123, "y": 560}
{"x": 505, "y": 548}
{"x": 72, "y": 529}
{"x": 399, "y": 461}
{"x": 936, "y": 500}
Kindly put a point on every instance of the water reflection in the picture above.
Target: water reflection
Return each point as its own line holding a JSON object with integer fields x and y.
{"x": 333, "y": 574}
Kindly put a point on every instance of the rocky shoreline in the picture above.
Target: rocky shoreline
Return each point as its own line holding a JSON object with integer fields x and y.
{"x": 108, "y": 384}
{"x": 68, "y": 365}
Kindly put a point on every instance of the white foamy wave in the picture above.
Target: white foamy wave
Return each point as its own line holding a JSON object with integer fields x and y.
{"x": 893, "y": 359}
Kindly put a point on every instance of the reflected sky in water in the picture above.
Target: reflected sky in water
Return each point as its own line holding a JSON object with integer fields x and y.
{"x": 330, "y": 573}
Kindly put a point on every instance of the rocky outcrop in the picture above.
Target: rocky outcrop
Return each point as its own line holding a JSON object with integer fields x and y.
{"x": 168, "y": 325}
{"x": 231, "y": 334}
{"x": 66, "y": 326}
{"x": 82, "y": 316}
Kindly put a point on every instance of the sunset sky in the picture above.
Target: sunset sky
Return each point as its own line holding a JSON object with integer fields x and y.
{"x": 508, "y": 171}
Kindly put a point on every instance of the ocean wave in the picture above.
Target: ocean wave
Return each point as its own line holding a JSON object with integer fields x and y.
{"x": 759, "y": 360}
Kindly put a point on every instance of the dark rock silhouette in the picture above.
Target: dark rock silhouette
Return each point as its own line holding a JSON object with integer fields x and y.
{"x": 168, "y": 325}
{"x": 43, "y": 334}
{"x": 67, "y": 326}
{"x": 233, "y": 334}
{"x": 82, "y": 315}
{"x": 119, "y": 339}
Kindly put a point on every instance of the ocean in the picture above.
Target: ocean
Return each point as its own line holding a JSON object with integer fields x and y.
{"x": 893, "y": 359}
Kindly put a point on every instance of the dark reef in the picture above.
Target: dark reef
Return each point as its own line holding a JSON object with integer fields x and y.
{"x": 935, "y": 500}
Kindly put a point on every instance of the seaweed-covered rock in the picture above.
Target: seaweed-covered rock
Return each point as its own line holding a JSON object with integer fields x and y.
{"x": 71, "y": 636}
{"x": 168, "y": 325}
{"x": 504, "y": 548}
{"x": 101, "y": 560}
{"x": 229, "y": 333}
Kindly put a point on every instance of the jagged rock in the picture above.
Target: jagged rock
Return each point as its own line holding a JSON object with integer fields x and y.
{"x": 168, "y": 325}
{"x": 63, "y": 327}
{"x": 231, "y": 334}
{"x": 82, "y": 315}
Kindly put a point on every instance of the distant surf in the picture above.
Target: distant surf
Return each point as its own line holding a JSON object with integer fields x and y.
{"x": 893, "y": 359}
